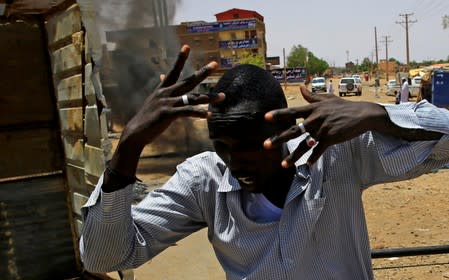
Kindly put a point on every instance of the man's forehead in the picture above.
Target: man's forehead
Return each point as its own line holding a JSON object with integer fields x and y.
{"x": 251, "y": 124}
{"x": 237, "y": 117}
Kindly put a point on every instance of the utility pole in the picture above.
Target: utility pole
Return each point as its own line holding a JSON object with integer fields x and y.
{"x": 386, "y": 41}
{"x": 377, "y": 49}
{"x": 407, "y": 22}
{"x": 285, "y": 70}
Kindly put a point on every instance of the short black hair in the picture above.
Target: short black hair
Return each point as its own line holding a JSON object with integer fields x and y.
{"x": 252, "y": 85}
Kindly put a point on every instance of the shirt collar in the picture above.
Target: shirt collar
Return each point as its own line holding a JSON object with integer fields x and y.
{"x": 228, "y": 182}
{"x": 302, "y": 169}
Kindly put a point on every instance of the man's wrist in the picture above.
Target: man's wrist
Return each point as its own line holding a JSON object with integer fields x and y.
{"x": 114, "y": 181}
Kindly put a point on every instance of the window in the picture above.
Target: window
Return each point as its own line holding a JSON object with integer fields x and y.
{"x": 253, "y": 33}
{"x": 233, "y": 36}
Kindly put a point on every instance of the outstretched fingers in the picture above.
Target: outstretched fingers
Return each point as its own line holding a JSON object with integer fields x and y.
{"x": 172, "y": 77}
{"x": 198, "y": 98}
{"x": 193, "y": 80}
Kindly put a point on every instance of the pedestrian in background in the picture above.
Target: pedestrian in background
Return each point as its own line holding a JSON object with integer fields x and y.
{"x": 330, "y": 87}
{"x": 405, "y": 91}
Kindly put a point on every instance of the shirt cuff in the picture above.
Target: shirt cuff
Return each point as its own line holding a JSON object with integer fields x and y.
{"x": 110, "y": 207}
{"x": 400, "y": 156}
{"x": 403, "y": 115}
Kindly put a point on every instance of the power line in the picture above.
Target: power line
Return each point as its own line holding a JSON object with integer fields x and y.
{"x": 440, "y": 8}
{"x": 407, "y": 23}
{"x": 432, "y": 8}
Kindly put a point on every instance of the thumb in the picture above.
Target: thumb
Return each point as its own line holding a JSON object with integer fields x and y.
{"x": 311, "y": 98}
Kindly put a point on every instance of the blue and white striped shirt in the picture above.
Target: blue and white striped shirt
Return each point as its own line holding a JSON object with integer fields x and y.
{"x": 322, "y": 232}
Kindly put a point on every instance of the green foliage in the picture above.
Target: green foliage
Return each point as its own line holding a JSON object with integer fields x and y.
{"x": 300, "y": 56}
{"x": 254, "y": 59}
{"x": 366, "y": 65}
{"x": 315, "y": 65}
{"x": 297, "y": 56}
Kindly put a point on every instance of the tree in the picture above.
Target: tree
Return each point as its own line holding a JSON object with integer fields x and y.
{"x": 297, "y": 56}
{"x": 446, "y": 21}
{"x": 300, "y": 56}
{"x": 366, "y": 65}
{"x": 254, "y": 59}
{"x": 315, "y": 65}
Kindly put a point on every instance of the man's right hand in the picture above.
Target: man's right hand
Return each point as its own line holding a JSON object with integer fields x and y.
{"x": 164, "y": 105}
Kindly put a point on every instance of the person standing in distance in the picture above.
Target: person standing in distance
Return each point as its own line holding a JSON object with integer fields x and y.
{"x": 330, "y": 87}
{"x": 405, "y": 91}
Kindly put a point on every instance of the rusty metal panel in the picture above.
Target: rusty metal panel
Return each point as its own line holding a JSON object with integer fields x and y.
{"x": 26, "y": 152}
{"x": 89, "y": 90}
{"x": 24, "y": 74}
{"x": 63, "y": 24}
{"x": 32, "y": 6}
{"x": 78, "y": 201}
{"x": 92, "y": 126}
{"x": 35, "y": 230}
{"x": 76, "y": 180}
{"x": 71, "y": 120}
{"x": 70, "y": 89}
{"x": 95, "y": 160}
{"x": 66, "y": 58}
{"x": 74, "y": 149}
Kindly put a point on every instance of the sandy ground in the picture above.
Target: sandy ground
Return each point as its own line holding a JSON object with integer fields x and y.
{"x": 405, "y": 214}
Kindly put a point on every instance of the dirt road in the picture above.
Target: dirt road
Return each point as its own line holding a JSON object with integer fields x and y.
{"x": 404, "y": 214}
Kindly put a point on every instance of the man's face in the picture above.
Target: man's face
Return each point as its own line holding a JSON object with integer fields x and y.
{"x": 239, "y": 143}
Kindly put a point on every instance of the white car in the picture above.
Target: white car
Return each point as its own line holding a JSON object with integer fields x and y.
{"x": 393, "y": 87}
{"x": 357, "y": 76}
{"x": 350, "y": 85}
{"x": 416, "y": 81}
{"x": 318, "y": 84}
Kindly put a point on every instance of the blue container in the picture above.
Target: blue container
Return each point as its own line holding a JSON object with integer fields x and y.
{"x": 440, "y": 88}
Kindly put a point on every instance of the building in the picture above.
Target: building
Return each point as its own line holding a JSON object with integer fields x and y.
{"x": 236, "y": 33}
{"x": 135, "y": 57}
{"x": 391, "y": 66}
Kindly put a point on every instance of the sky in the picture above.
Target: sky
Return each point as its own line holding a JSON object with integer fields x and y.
{"x": 340, "y": 30}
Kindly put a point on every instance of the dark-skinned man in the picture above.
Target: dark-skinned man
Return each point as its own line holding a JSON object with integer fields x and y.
{"x": 280, "y": 199}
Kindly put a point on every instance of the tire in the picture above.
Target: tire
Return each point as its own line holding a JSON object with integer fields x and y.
{"x": 341, "y": 94}
{"x": 350, "y": 86}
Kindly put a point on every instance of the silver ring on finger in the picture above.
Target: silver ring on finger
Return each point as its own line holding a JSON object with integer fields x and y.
{"x": 185, "y": 99}
{"x": 310, "y": 141}
{"x": 302, "y": 128}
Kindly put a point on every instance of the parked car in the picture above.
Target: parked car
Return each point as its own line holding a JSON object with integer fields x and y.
{"x": 350, "y": 85}
{"x": 391, "y": 84}
{"x": 318, "y": 84}
{"x": 393, "y": 87}
{"x": 416, "y": 81}
{"x": 357, "y": 76}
